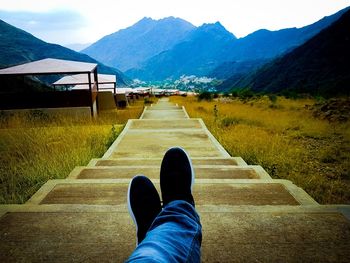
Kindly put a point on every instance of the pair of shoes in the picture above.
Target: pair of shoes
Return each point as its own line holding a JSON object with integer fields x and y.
{"x": 176, "y": 183}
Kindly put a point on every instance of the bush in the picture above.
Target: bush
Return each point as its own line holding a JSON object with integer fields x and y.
{"x": 290, "y": 94}
{"x": 272, "y": 98}
{"x": 235, "y": 94}
{"x": 246, "y": 94}
{"x": 148, "y": 101}
{"x": 205, "y": 96}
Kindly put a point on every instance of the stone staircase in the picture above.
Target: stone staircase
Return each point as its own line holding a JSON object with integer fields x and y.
{"x": 246, "y": 215}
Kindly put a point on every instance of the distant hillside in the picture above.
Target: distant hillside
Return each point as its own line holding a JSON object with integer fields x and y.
{"x": 265, "y": 44}
{"x": 233, "y": 71}
{"x": 320, "y": 66}
{"x": 130, "y": 47}
{"x": 18, "y": 46}
{"x": 197, "y": 54}
{"x": 211, "y": 46}
{"x": 227, "y": 69}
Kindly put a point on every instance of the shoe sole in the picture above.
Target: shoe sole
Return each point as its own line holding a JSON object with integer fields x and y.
{"x": 130, "y": 209}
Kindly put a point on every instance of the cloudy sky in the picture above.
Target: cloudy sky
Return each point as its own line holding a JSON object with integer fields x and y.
{"x": 85, "y": 21}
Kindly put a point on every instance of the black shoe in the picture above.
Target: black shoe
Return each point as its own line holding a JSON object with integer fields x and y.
{"x": 176, "y": 176}
{"x": 143, "y": 204}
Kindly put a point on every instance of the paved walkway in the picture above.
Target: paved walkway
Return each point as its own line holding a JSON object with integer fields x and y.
{"x": 246, "y": 215}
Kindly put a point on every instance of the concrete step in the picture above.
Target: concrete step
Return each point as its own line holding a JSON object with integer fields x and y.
{"x": 206, "y": 192}
{"x": 163, "y": 104}
{"x": 168, "y": 106}
{"x": 164, "y": 114}
{"x": 58, "y": 234}
{"x": 157, "y": 162}
{"x": 163, "y": 107}
{"x": 201, "y": 171}
{"x": 167, "y": 124}
{"x": 78, "y": 233}
{"x": 154, "y": 143}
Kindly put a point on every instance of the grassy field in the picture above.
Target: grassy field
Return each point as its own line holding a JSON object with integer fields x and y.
{"x": 35, "y": 148}
{"x": 283, "y": 137}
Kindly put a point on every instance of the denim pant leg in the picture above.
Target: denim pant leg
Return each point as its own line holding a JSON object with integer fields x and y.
{"x": 175, "y": 236}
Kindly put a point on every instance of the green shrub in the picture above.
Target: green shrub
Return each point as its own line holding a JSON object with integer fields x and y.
{"x": 148, "y": 101}
{"x": 246, "y": 94}
{"x": 235, "y": 94}
{"x": 272, "y": 98}
{"x": 205, "y": 96}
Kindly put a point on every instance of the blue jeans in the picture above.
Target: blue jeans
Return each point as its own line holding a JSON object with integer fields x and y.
{"x": 174, "y": 236}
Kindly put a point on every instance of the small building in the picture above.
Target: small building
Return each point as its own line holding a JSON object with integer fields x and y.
{"x": 172, "y": 92}
{"x": 107, "y": 84}
{"x": 53, "y": 99}
{"x": 81, "y": 81}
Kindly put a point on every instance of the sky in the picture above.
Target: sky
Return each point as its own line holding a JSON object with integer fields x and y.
{"x": 86, "y": 21}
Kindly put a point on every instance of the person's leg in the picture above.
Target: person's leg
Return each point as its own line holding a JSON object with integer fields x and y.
{"x": 176, "y": 233}
{"x": 175, "y": 236}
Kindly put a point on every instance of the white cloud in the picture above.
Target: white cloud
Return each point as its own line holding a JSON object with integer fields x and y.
{"x": 59, "y": 26}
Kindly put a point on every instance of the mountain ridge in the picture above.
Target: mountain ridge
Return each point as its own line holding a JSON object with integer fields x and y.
{"x": 129, "y": 47}
{"x": 190, "y": 57}
{"x": 199, "y": 48}
{"x": 318, "y": 67}
{"x": 261, "y": 44}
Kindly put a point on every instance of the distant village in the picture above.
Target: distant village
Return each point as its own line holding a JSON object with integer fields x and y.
{"x": 184, "y": 85}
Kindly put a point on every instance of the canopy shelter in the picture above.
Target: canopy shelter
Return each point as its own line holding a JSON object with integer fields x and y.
{"x": 81, "y": 81}
{"x": 125, "y": 91}
{"x": 142, "y": 90}
{"x": 50, "y": 66}
{"x": 171, "y": 92}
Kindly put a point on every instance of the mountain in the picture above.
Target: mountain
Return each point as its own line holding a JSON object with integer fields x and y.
{"x": 197, "y": 54}
{"x": 320, "y": 66}
{"x": 265, "y": 44}
{"x": 18, "y": 46}
{"x": 233, "y": 71}
{"x": 130, "y": 47}
{"x": 227, "y": 69}
{"x": 212, "y": 46}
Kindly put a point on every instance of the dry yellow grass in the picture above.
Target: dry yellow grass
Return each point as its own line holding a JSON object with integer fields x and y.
{"x": 283, "y": 138}
{"x": 36, "y": 149}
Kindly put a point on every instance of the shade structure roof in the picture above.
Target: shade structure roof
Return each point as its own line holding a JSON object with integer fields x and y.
{"x": 124, "y": 90}
{"x": 81, "y": 79}
{"x": 100, "y": 86}
{"x": 142, "y": 89}
{"x": 50, "y": 66}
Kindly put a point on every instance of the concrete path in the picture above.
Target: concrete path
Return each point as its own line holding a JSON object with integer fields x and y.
{"x": 246, "y": 215}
